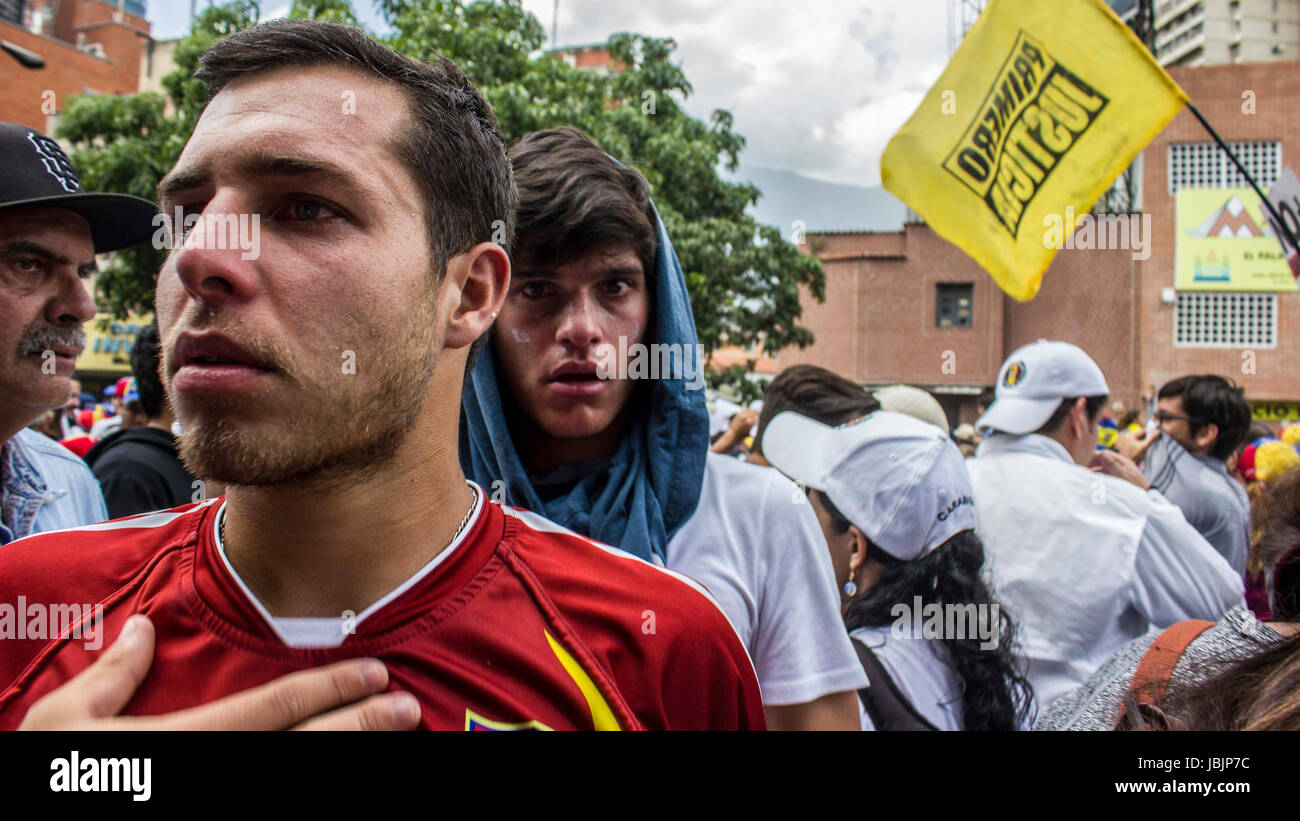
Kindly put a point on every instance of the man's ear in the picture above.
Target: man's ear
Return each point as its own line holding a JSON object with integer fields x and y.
{"x": 1208, "y": 435}
{"x": 473, "y": 292}
{"x": 1079, "y": 418}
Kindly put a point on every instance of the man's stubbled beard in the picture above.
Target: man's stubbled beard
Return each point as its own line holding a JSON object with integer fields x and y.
{"x": 342, "y": 428}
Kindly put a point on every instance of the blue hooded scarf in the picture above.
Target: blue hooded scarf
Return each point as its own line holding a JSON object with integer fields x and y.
{"x": 638, "y": 498}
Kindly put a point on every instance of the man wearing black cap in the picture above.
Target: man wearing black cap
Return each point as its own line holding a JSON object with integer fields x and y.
{"x": 50, "y": 231}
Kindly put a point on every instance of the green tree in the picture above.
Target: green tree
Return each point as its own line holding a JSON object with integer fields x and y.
{"x": 743, "y": 277}
{"x": 330, "y": 11}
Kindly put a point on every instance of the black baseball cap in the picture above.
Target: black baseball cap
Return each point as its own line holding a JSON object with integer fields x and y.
{"x": 38, "y": 173}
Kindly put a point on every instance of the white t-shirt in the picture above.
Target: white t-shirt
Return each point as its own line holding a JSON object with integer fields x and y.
{"x": 755, "y": 544}
{"x": 918, "y": 669}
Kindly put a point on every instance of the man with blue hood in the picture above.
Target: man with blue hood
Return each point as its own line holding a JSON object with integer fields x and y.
{"x": 588, "y": 407}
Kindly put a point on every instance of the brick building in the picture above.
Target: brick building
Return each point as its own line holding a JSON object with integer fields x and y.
{"x": 908, "y": 306}
{"x": 52, "y": 49}
{"x": 592, "y": 57}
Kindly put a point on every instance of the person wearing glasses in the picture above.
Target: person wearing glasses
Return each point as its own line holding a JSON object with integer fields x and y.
{"x": 1201, "y": 421}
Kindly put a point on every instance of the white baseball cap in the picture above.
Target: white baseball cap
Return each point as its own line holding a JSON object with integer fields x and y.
{"x": 1034, "y": 380}
{"x": 901, "y": 481}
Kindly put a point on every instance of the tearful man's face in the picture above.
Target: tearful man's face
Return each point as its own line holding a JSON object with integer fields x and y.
{"x": 310, "y": 360}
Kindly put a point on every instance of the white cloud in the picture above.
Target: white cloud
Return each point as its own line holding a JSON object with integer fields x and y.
{"x": 816, "y": 86}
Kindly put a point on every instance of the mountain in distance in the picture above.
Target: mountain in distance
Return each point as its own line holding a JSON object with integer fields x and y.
{"x": 822, "y": 206}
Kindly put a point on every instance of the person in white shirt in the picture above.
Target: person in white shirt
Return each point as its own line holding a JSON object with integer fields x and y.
{"x": 1086, "y": 560}
{"x": 894, "y": 501}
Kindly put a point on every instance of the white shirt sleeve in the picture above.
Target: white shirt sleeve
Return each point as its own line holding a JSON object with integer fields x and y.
{"x": 1177, "y": 574}
{"x": 800, "y": 647}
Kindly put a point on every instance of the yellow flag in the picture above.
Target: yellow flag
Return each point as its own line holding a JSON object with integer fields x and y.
{"x": 1042, "y": 106}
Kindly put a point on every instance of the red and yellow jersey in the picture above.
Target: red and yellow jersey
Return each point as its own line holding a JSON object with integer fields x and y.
{"x": 521, "y": 624}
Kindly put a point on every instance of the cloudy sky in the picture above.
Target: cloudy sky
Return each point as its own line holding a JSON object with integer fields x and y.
{"x": 816, "y": 86}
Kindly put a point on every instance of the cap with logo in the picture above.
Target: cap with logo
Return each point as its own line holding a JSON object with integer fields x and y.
{"x": 1034, "y": 380}
{"x": 901, "y": 481}
{"x": 38, "y": 173}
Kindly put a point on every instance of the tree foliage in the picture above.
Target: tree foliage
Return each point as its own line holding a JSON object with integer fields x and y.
{"x": 743, "y": 277}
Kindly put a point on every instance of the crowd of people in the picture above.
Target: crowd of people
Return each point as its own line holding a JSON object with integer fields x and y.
{"x": 380, "y": 467}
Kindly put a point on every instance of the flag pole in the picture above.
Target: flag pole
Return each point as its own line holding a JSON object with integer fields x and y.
{"x": 1277, "y": 219}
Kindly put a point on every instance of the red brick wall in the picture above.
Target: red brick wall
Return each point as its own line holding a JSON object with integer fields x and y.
{"x": 1087, "y": 298}
{"x": 78, "y": 13}
{"x": 68, "y": 70}
{"x": 124, "y": 47}
{"x": 1217, "y": 92}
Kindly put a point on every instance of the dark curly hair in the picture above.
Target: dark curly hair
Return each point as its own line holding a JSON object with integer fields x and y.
{"x": 995, "y": 693}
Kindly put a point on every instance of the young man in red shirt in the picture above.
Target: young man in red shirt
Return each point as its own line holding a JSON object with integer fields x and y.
{"x": 319, "y": 377}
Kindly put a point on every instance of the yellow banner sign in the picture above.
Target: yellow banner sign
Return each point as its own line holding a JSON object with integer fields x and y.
{"x": 1275, "y": 411}
{"x": 109, "y": 342}
{"x": 1224, "y": 243}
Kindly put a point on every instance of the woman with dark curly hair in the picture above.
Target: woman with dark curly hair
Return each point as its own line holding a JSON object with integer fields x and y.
{"x": 895, "y": 503}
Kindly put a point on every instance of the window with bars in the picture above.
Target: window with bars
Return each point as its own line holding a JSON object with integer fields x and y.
{"x": 1205, "y": 165}
{"x": 1212, "y": 319}
{"x": 11, "y": 11}
{"x": 954, "y": 304}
